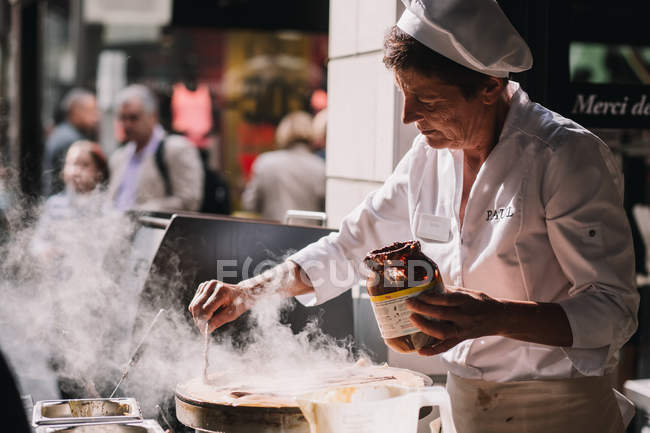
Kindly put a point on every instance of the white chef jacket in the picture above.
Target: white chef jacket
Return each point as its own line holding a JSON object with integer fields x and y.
{"x": 544, "y": 222}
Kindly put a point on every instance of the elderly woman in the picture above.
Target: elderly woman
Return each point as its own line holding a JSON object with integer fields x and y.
{"x": 522, "y": 211}
{"x": 291, "y": 177}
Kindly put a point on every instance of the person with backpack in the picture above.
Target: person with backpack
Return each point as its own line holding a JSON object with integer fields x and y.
{"x": 153, "y": 171}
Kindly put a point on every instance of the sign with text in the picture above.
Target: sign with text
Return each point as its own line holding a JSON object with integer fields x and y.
{"x": 608, "y": 106}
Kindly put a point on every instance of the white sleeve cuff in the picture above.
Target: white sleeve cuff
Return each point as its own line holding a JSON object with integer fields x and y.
{"x": 590, "y": 317}
{"x": 590, "y": 362}
{"x": 593, "y": 337}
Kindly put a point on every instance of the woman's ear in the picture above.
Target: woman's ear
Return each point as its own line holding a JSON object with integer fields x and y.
{"x": 492, "y": 91}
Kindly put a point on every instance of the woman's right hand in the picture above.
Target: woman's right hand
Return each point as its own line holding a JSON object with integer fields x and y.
{"x": 217, "y": 303}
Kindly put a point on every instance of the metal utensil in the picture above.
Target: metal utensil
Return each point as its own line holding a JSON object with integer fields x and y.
{"x": 206, "y": 342}
{"x": 164, "y": 418}
{"x": 137, "y": 353}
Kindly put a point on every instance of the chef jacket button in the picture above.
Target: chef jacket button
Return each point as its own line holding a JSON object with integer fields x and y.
{"x": 592, "y": 233}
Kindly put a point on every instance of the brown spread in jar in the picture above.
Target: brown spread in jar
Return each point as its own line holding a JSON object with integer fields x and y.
{"x": 398, "y": 272}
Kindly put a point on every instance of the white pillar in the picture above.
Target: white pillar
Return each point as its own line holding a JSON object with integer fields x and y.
{"x": 365, "y": 138}
{"x": 365, "y": 135}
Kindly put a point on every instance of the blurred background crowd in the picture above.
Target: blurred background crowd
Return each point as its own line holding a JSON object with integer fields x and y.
{"x": 168, "y": 107}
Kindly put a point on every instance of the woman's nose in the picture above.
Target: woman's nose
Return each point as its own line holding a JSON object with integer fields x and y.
{"x": 410, "y": 112}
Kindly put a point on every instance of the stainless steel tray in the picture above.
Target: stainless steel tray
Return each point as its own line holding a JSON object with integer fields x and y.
{"x": 145, "y": 426}
{"x": 84, "y": 411}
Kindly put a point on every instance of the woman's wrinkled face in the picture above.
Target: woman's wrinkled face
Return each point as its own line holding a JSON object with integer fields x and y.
{"x": 440, "y": 111}
{"x": 80, "y": 171}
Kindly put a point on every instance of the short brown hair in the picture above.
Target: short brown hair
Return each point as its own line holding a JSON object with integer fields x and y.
{"x": 402, "y": 51}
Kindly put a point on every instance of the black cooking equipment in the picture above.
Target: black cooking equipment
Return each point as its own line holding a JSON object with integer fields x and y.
{"x": 193, "y": 247}
{"x": 189, "y": 248}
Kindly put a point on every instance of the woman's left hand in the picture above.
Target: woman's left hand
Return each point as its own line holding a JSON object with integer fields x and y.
{"x": 458, "y": 314}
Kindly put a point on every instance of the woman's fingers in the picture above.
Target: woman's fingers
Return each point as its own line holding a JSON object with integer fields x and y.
{"x": 453, "y": 316}
{"x": 216, "y": 303}
{"x": 199, "y": 292}
{"x": 453, "y": 311}
{"x": 223, "y": 316}
{"x": 209, "y": 297}
{"x": 199, "y": 298}
{"x": 449, "y": 298}
{"x": 437, "y": 348}
{"x": 218, "y": 296}
{"x": 442, "y": 330}
{"x": 433, "y": 311}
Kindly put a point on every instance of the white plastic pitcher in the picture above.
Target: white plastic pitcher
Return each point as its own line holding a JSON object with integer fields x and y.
{"x": 373, "y": 409}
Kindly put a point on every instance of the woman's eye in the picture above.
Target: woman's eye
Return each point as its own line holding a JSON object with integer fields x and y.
{"x": 428, "y": 102}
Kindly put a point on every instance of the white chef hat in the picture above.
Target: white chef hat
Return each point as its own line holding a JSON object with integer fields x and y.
{"x": 473, "y": 33}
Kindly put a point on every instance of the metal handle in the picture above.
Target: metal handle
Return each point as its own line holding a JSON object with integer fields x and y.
{"x": 160, "y": 223}
{"x": 305, "y": 215}
{"x": 138, "y": 352}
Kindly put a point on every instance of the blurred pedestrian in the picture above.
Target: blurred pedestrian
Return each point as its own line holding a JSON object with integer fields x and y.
{"x": 81, "y": 122}
{"x": 85, "y": 175}
{"x": 85, "y": 170}
{"x": 154, "y": 170}
{"x": 289, "y": 178}
{"x": 80, "y": 242}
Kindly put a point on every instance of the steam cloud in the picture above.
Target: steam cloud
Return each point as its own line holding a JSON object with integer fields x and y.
{"x": 70, "y": 295}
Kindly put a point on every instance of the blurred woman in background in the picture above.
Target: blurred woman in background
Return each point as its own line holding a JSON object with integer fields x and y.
{"x": 85, "y": 171}
{"x": 291, "y": 177}
{"x": 85, "y": 175}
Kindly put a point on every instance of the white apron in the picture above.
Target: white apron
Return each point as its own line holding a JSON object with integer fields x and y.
{"x": 585, "y": 404}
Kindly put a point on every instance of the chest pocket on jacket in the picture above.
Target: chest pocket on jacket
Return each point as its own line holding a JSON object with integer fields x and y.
{"x": 433, "y": 228}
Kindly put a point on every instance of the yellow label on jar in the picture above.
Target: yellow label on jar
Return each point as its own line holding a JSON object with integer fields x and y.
{"x": 391, "y": 313}
{"x": 404, "y": 292}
